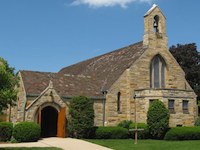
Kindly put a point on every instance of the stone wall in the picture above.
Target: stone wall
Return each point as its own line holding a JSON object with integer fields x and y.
{"x": 98, "y": 112}
{"x": 48, "y": 98}
{"x": 138, "y": 77}
{"x": 17, "y": 112}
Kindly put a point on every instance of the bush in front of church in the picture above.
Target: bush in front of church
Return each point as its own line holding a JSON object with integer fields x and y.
{"x": 142, "y": 134}
{"x": 26, "y": 132}
{"x": 125, "y": 123}
{"x": 6, "y": 129}
{"x": 111, "y": 133}
{"x": 129, "y": 124}
{"x": 197, "y": 122}
{"x": 183, "y": 133}
{"x": 158, "y": 119}
{"x": 81, "y": 117}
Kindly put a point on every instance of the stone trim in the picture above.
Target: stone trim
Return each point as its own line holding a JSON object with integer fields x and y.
{"x": 164, "y": 97}
{"x": 163, "y": 89}
{"x": 25, "y": 95}
{"x": 68, "y": 97}
{"x": 50, "y": 86}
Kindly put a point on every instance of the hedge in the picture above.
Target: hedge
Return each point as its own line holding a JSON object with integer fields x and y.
{"x": 26, "y": 132}
{"x": 141, "y": 134}
{"x": 183, "y": 133}
{"x": 125, "y": 124}
{"x": 111, "y": 133}
{"x": 6, "y": 129}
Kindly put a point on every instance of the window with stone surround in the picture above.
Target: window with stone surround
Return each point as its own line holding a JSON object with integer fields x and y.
{"x": 118, "y": 102}
{"x": 157, "y": 72}
{"x": 185, "y": 107}
{"x": 171, "y": 106}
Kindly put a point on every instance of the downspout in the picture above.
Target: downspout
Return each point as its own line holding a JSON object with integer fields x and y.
{"x": 104, "y": 107}
{"x": 24, "y": 109}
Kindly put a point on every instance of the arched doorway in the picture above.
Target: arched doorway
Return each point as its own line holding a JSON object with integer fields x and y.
{"x": 49, "y": 119}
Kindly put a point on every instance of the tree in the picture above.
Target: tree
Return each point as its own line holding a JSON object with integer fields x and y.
{"x": 189, "y": 59}
{"x": 8, "y": 82}
{"x": 81, "y": 117}
{"x": 158, "y": 119}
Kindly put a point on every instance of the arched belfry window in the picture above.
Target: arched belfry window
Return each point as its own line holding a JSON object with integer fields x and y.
{"x": 156, "y": 23}
{"x": 118, "y": 101}
{"x": 157, "y": 72}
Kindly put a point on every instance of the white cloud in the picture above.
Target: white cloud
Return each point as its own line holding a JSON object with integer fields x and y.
{"x": 108, "y": 3}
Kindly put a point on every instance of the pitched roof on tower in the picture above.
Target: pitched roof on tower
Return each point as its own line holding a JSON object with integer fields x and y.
{"x": 152, "y": 9}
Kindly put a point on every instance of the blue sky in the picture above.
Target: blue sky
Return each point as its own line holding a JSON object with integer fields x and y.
{"x": 47, "y": 35}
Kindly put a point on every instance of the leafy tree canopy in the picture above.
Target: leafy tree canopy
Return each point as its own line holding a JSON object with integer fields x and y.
{"x": 8, "y": 82}
{"x": 189, "y": 59}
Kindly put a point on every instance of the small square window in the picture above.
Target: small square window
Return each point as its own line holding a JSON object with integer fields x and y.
{"x": 171, "y": 106}
{"x": 185, "y": 107}
{"x": 151, "y": 101}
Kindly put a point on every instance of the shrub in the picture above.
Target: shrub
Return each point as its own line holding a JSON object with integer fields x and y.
{"x": 81, "y": 117}
{"x": 3, "y": 117}
{"x": 125, "y": 124}
{"x": 111, "y": 133}
{"x": 141, "y": 134}
{"x": 26, "y": 132}
{"x": 158, "y": 119}
{"x": 6, "y": 129}
{"x": 183, "y": 133}
{"x": 197, "y": 122}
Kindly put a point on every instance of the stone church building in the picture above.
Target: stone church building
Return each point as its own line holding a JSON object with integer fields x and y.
{"x": 122, "y": 84}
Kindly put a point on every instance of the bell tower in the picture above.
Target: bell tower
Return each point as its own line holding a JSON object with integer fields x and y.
{"x": 155, "y": 29}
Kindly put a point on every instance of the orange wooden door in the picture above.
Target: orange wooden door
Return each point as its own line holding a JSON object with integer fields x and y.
{"x": 61, "y": 123}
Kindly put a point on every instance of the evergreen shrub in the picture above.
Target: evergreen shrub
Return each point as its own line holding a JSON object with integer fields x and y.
{"x": 6, "y": 129}
{"x": 125, "y": 123}
{"x": 197, "y": 122}
{"x": 144, "y": 134}
{"x": 81, "y": 117}
{"x": 26, "y": 132}
{"x": 183, "y": 133}
{"x": 112, "y": 133}
{"x": 158, "y": 119}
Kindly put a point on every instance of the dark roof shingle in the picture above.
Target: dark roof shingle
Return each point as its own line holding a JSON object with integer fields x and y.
{"x": 87, "y": 78}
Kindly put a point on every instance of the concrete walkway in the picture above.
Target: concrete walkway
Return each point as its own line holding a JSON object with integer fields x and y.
{"x": 64, "y": 143}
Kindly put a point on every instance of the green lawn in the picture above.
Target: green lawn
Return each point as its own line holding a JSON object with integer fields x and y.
{"x": 33, "y": 148}
{"x": 148, "y": 144}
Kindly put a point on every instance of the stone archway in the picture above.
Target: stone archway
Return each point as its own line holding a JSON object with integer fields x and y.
{"x": 49, "y": 102}
{"x": 52, "y": 120}
{"x": 49, "y": 120}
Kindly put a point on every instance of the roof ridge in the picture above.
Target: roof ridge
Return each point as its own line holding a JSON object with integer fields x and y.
{"x": 36, "y": 71}
{"x": 87, "y": 60}
{"x": 88, "y": 77}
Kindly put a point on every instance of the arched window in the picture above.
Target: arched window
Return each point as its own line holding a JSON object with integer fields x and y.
{"x": 118, "y": 101}
{"x": 156, "y": 23}
{"x": 157, "y": 72}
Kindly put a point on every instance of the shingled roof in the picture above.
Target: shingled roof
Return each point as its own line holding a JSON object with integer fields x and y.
{"x": 87, "y": 78}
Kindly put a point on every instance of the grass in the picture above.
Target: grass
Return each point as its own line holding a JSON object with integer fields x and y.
{"x": 32, "y": 148}
{"x": 148, "y": 144}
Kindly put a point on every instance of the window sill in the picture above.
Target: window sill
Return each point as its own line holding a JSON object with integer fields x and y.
{"x": 172, "y": 112}
{"x": 119, "y": 112}
{"x": 185, "y": 112}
